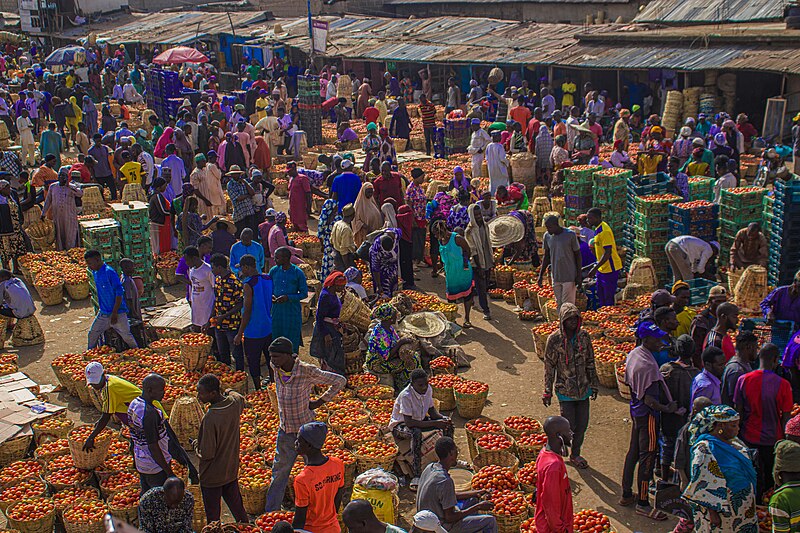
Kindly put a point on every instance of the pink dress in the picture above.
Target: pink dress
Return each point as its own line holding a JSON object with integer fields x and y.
{"x": 299, "y": 186}
{"x": 275, "y": 240}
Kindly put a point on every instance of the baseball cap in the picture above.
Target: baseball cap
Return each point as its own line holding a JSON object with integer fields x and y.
{"x": 427, "y": 521}
{"x": 347, "y": 164}
{"x": 716, "y": 291}
{"x": 94, "y": 373}
{"x": 314, "y": 433}
{"x": 649, "y": 329}
{"x": 662, "y": 297}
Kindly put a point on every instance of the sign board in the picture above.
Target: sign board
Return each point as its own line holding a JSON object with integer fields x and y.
{"x": 774, "y": 119}
{"x": 319, "y": 32}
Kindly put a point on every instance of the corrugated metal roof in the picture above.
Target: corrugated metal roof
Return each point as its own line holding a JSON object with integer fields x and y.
{"x": 404, "y": 2}
{"x": 700, "y": 11}
{"x": 638, "y": 57}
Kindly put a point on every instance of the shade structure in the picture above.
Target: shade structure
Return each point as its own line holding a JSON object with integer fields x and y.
{"x": 180, "y": 54}
{"x": 64, "y": 56}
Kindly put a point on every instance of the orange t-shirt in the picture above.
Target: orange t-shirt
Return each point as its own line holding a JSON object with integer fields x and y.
{"x": 522, "y": 115}
{"x": 316, "y": 488}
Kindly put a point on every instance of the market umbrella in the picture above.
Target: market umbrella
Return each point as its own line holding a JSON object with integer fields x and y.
{"x": 64, "y": 56}
{"x": 180, "y": 54}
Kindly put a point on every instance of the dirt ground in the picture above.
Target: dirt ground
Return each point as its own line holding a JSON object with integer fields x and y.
{"x": 501, "y": 355}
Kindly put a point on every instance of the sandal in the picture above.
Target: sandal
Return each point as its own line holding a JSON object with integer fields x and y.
{"x": 579, "y": 462}
{"x": 627, "y": 501}
{"x": 652, "y": 513}
{"x": 467, "y": 325}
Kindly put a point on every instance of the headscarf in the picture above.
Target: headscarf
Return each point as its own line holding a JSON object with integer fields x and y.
{"x": 163, "y": 141}
{"x": 720, "y": 140}
{"x": 262, "y": 158}
{"x": 478, "y": 238}
{"x": 405, "y": 221}
{"x": 389, "y": 218}
{"x": 463, "y": 183}
{"x": 76, "y": 109}
{"x": 642, "y": 371}
{"x": 704, "y": 421}
{"x": 335, "y": 278}
{"x": 368, "y": 215}
{"x": 793, "y": 426}
{"x": 199, "y": 158}
{"x": 384, "y": 312}
{"x": 384, "y": 133}
{"x": 280, "y": 217}
{"x": 679, "y": 285}
{"x": 787, "y": 458}
{"x": 182, "y": 144}
{"x": 624, "y": 113}
{"x": 351, "y": 274}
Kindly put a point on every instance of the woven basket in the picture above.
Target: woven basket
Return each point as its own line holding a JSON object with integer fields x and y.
{"x": 43, "y": 235}
{"x": 354, "y": 362}
{"x": 83, "y": 392}
{"x": 520, "y": 295}
{"x": 493, "y": 455}
{"x": 361, "y": 420}
{"x": 311, "y": 249}
{"x": 185, "y": 417}
{"x": 355, "y": 312}
{"x": 27, "y": 332}
{"x": 751, "y": 288}
{"x": 470, "y": 405}
{"x": 93, "y": 459}
{"x": 502, "y": 458}
{"x": 51, "y": 295}
{"x": 527, "y": 454}
{"x": 510, "y": 524}
{"x": 606, "y": 374}
{"x": 14, "y": 449}
{"x": 643, "y": 272}
{"x": 83, "y": 527}
{"x": 194, "y": 356}
{"x": 199, "y": 514}
{"x": 78, "y": 291}
{"x": 505, "y": 279}
{"x": 273, "y": 397}
{"x": 624, "y": 388}
{"x": 57, "y": 487}
{"x": 108, "y": 493}
{"x": 55, "y": 433}
{"x": 254, "y": 500}
{"x": 733, "y": 278}
{"x": 129, "y": 515}
{"x": 472, "y": 436}
{"x": 281, "y": 186}
{"x": 6, "y": 504}
{"x": 42, "y": 525}
{"x": 446, "y": 398}
{"x": 133, "y": 192}
{"x": 168, "y": 276}
{"x": 364, "y": 463}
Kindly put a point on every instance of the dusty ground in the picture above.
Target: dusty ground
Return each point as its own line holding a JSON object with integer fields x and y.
{"x": 501, "y": 352}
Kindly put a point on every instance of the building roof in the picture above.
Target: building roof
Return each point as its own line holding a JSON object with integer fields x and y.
{"x": 403, "y": 2}
{"x": 709, "y": 11}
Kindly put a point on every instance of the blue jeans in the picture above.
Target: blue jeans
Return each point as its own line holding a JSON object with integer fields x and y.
{"x": 285, "y": 456}
{"x": 225, "y": 345}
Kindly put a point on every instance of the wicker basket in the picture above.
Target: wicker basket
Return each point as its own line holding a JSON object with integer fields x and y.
{"x": 361, "y": 420}
{"x": 83, "y": 527}
{"x": 493, "y": 455}
{"x": 14, "y": 449}
{"x": 751, "y": 288}
{"x": 108, "y": 493}
{"x": 446, "y": 398}
{"x": 93, "y": 459}
{"x": 42, "y": 525}
{"x": 354, "y": 362}
{"x": 642, "y": 272}
{"x": 254, "y": 499}
{"x": 194, "y": 356}
{"x": 527, "y": 454}
{"x": 6, "y": 504}
{"x": 129, "y": 515}
{"x": 624, "y": 388}
{"x": 510, "y": 524}
{"x": 27, "y": 332}
{"x": 78, "y": 291}
{"x": 82, "y": 389}
{"x": 606, "y": 374}
{"x": 199, "y": 515}
{"x": 365, "y": 463}
{"x": 281, "y": 185}
{"x": 43, "y": 235}
{"x": 355, "y": 312}
{"x": 168, "y": 276}
{"x": 133, "y": 192}
{"x": 505, "y": 279}
{"x": 520, "y": 295}
{"x": 470, "y": 405}
{"x": 57, "y": 487}
{"x": 472, "y": 436}
{"x": 502, "y": 458}
{"x": 56, "y": 433}
{"x": 185, "y": 417}
{"x": 384, "y": 392}
{"x": 51, "y": 295}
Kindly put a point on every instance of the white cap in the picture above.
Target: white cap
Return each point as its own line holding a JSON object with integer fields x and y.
{"x": 428, "y": 521}
{"x": 346, "y": 164}
{"x": 94, "y": 373}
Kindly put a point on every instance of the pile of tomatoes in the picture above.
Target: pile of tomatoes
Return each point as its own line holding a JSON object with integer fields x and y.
{"x": 81, "y": 433}
{"x": 527, "y": 474}
{"x": 443, "y": 362}
{"x": 53, "y": 448}
{"x": 532, "y": 440}
{"x": 494, "y": 477}
{"x": 65, "y": 461}
{"x": 255, "y": 478}
{"x": 483, "y": 425}
{"x": 376, "y": 449}
{"x": 71, "y": 495}
{"x": 375, "y": 391}
{"x": 528, "y": 526}
{"x": 28, "y": 488}
{"x": 444, "y": 381}
{"x": 119, "y": 481}
{"x": 355, "y": 435}
{"x": 524, "y": 424}
{"x": 68, "y": 476}
{"x": 355, "y": 381}
{"x": 591, "y": 521}
{"x": 30, "y": 509}
{"x": 494, "y": 441}
{"x": 85, "y": 512}
{"x": 125, "y": 499}
{"x": 348, "y": 417}
{"x": 19, "y": 470}
{"x": 195, "y": 339}
{"x": 508, "y": 503}
{"x": 470, "y": 387}
{"x": 53, "y": 423}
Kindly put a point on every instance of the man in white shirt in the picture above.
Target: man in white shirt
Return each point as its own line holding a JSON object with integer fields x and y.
{"x": 497, "y": 163}
{"x": 548, "y": 104}
{"x": 413, "y": 413}
{"x": 689, "y": 256}
{"x": 201, "y": 295}
{"x": 17, "y": 301}
{"x": 25, "y": 128}
{"x": 726, "y": 179}
{"x": 477, "y": 145}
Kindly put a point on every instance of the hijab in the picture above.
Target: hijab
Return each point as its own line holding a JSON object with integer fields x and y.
{"x": 181, "y": 142}
{"x": 262, "y": 158}
{"x": 163, "y": 141}
{"x": 405, "y": 221}
{"x": 76, "y": 108}
{"x": 389, "y": 218}
{"x": 478, "y": 239}
{"x": 368, "y": 216}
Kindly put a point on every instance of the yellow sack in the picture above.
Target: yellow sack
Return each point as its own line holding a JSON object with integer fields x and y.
{"x": 382, "y": 502}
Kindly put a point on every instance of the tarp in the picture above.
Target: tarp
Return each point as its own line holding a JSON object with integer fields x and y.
{"x": 65, "y": 55}
{"x": 179, "y": 55}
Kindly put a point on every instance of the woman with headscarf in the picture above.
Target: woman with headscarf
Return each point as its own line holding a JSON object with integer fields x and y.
{"x": 368, "y": 216}
{"x": 234, "y": 155}
{"x": 277, "y": 239}
{"x": 387, "y": 151}
{"x": 405, "y": 223}
{"x": 90, "y": 116}
{"x": 722, "y": 484}
{"x": 183, "y": 149}
{"x": 12, "y": 240}
{"x": 326, "y": 340}
{"x": 262, "y": 158}
{"x": 383, "y": 348}
{"x": 719, "y": 146}
{"x": 480, "y": 246}
{"x": 162, "y": 142}
{"x": 458, "y": 218}
{"x": 77, "y": 116}
{"x": 364, "y": 94}
{"x": 108, "y": 124}
{"x": 456, "y": 255}
{"x": 389, "y": 214}
{"x": 401, "y": 125}
{"x": 328, "y": 215}
{"x": 460, "y": 181}
{"x": 384, "y": 259}
{"x": 221, "y": 149}
{"x": 371, "y": 146}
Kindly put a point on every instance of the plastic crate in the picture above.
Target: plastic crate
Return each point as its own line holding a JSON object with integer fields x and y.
{"x": 654, "y": 236}
{"x": 580, "y": 173}
{"x": 740, "y": 201}
{"x": 578, "y": 202}
{"x": 650, "y": 221}
{"x": 645, "y": 205}
{"x": 693, "y": 214}
{"x": 699, "y": 289}
{"x": 649, "y": 184}
{"x": 705, "y": 230}
{"x": 779, "y": 333}
{"x": 787, "y": 191}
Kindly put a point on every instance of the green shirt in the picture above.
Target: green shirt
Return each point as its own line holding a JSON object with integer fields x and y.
{"x": 253, "y": 71}
{"x": 784, "y": 506}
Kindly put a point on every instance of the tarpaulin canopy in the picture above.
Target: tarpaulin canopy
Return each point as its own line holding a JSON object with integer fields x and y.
{"x": 65, "y": 55}
{"x": 180, "y": 54}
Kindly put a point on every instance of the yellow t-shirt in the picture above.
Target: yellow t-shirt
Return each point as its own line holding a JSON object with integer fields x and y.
{"x": 684, "y": 323}
{"x": 568, "y": 100}
{"x": 131, "y": 172}
{"x": 261, "y": 107}
{"x": 118, "y": 393}
{"x": 605, "y": 237}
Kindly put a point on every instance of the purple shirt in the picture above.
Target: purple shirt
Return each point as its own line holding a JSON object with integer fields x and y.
{"x": 638, "y": 407}
{"x": 708, "y": 385}
{"x": 348, "y": 135}
{"x": 782, "y": 305}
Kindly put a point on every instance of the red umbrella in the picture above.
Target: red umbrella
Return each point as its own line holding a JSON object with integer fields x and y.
{"x": 180, "y": 54}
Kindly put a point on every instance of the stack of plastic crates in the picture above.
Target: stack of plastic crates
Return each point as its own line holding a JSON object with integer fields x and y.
{"x": 456, "y": 135}
{"x": 701, "y": 188}
{"x": 606, "y": 195}
{"x": 161, "y": 86}
{"x": 101, "y": 235}
{"x": 698, "y": 290}
{"x": 784, "y": 246}
{"x": 651, "y": 230}
{"x": 778, "y": 333}
{"x": 738, "y": 207}
{"x": 645, "y": 185}
{"x": 310, "y": 106}
{"x": 698, "y": 218}
{"x": 133, "y": 221}
{"x": 578, "y": 183}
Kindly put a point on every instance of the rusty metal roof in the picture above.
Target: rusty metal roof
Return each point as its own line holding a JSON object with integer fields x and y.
{"x": 705, "y": 11}
{"x": 401, "y": 2}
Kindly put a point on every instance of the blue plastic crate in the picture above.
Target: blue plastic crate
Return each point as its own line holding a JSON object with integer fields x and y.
{"x": 779, "y": 333}
{"x": 787, "y": 191}
{"x": 707, "y": 231}
{"x": 693, "y": 215}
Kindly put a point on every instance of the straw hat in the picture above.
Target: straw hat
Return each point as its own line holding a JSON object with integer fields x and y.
{"x": 505, "y": 230}
{"x": 425, "y": 324}
{"x": 235, "y": 170}
{"x": 231, "y": 227}
{"x": 584, "y": 127}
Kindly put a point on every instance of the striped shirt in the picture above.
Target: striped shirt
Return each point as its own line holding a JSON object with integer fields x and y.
{"x": 428, "y": 112}
{"x": 784, "y": 507}
{"x": 722, "y": 341}
{"x": 293, "y": 391}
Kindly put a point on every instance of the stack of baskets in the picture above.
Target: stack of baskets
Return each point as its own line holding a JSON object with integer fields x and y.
{"x": 355, "y": 312}
{"x": 442, "y": 389}
{"x": 92, "y": 201}
{"x": 691, "y": 102}
{"x": 185, "y": 418}
{"x": 673, "y": 111}
{"x": 477, "y": 428}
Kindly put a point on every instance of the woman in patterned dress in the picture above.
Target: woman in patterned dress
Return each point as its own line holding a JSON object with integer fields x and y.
{"x": 383, "y": 348}
{"x": 329, "y": 214}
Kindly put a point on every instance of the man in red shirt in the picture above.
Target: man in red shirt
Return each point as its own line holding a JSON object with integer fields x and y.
{"x": 388, "y": 185}
{"x": 521, "y": 113}
{"x": 533, "y": 127}
{"x": 428, "y": 112}
{"x": 747, "y": 130}
{"x": 764, "y": 401}
{"x": 371, "y": 113}
{"x": 318, "y": 489}
{"x": 553, "y": 495}
{"x": 727, "y": 320}
{"x": 83, "y": 167}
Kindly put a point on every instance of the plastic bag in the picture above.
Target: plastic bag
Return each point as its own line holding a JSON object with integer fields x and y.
{"x": 382, "y": 501}
{"x": 377, "y": 478}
